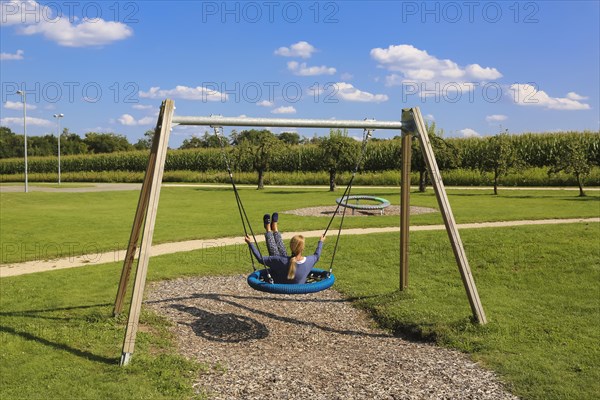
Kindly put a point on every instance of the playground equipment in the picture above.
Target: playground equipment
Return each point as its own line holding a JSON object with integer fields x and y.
{"x": 344, "y": 202}
{"x": 412, "y": 123}
{"x": 318, "y": 280}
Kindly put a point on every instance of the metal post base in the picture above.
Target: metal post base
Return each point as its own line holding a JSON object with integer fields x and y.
{"x": 125, "y": 359}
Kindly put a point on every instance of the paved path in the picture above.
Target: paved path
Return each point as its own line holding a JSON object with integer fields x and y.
{"x": 93, "y": 187}
{"x": 30, "y": 267}
{"x": 107, "y": 187}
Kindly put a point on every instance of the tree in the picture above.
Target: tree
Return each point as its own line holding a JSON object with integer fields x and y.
{"x": 11, "y": 144}
{"x": 212, "y": 141}
{"x": 571, "y": 157}
{"x": 206, "y": 141}
{"x": 291, "y": 138}
{"x": 339, "y": 153}
{"x": 192, "y": 143}
{"x": 313, "y": 140}
{"x": 498, "y": 156}
{"x": 259, "y": 148}
{"x": 233, "y": 137}
{"x": 445, "y": 154}
{"x": 42, "y": 146}
{"x": 71, "y": 143}
{"x": 106, "y": 142}
{"x": 145, "y": 143}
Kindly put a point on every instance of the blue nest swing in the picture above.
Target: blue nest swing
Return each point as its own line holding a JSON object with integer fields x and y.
{"x": 318, "y": 280}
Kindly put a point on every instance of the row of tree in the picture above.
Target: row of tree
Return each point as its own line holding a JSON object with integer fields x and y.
{"x": 572, "y": 153}
{"x": 261, "y": 151}
{"x": 12, "y": 145}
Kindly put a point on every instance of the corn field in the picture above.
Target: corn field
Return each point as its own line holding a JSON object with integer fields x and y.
{"x": 534, "y": 150}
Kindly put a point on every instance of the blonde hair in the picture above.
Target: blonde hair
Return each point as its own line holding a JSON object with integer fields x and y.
{"x": 297, "y": 247}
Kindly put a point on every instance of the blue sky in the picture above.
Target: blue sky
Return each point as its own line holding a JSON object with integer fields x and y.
{"x": 474, "y": 67}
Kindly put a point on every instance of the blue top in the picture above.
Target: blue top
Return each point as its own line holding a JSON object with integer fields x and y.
{"x": 279, "y": 265}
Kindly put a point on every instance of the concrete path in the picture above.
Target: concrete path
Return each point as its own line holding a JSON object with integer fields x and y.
{"x": 30, "y": 267}
{"x": 92, "y": 187}
{"x": 107, "y": 187}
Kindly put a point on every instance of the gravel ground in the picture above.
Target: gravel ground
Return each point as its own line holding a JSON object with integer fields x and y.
{"x": 316, "y": 346}
{"x": 329, "y": 210}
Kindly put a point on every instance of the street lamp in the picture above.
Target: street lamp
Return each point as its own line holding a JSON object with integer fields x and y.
{"x": 58, "y": 117}
{"x": 23, "y": 95}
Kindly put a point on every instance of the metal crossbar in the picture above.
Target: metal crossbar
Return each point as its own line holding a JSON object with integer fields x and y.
{"x": 286, "y": 123}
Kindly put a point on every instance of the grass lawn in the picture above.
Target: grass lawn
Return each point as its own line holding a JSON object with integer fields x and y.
{"x": 38, "y": 226}
{"x": 539, "y": 286}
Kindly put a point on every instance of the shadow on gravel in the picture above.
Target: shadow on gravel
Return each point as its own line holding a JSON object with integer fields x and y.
{"x": 239, "y": 320}
{"x": 225, "y": 328}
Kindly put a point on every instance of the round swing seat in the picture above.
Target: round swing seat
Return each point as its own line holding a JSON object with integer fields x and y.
{"x": 318, "y": 280}
{"x": 382, "y": 203}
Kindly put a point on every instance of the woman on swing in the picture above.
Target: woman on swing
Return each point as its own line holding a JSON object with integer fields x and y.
{"x": 283, "y": 268}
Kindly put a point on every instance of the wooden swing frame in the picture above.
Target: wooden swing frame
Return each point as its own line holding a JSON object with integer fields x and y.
{"x": 411, "y": 125}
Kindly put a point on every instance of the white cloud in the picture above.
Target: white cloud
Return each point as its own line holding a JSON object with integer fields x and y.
{"x": 129, "y": 120}
{"x": 575, "y": 96}
{"x": 301, "y": 49}
{"x": 99, "y": 129}
{"x": 13, "y": 12}
{"x": 348, "y": 92}
{"x": 16, "y": 121}
{"x": 183, "y": 129}
{"x": 284, "y": 110}
{"x": 83, "y": 34}
{"x": 11, "y": 57}
{"x": 17, "y": 105}
{"x": 529, "y": 95}
{"x": 393, "y": 80}
{"x": 496, "y": 118}
{"x": 265, "y": 103}
{"x": 430, "y": 117}
{"x": 477, "y": 72}
{"x": 142, "y": 107}
{"x": 304, "y": 70}
{"x": 468, "y": 132}
{"x": 147, "y": 121}
{"x": 346, "y": 76}
{"x": 32, "y": 18}
{"x": 184, "y": 92}
{"x": 409, "y": 64}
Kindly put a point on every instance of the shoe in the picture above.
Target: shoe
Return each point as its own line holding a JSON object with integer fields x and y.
{"x": 275, "y": 217}
{"x": 267, "y": 219}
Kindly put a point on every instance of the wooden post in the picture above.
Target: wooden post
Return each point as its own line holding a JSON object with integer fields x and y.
{"x": 405, "y": 201}
{"x": 155, "y": 180}
{"x": 451, "y": 228}
{"x": 139, "y": 218}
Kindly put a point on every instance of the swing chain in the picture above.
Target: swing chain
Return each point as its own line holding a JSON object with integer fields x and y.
{"x": 367, "y": 132}
{"x": 219, "y": 134}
